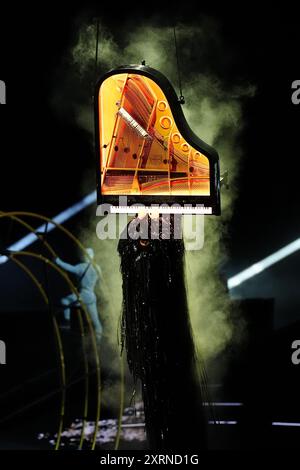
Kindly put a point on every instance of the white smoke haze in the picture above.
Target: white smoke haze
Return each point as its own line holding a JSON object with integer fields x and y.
{"x": 214, "y": 112}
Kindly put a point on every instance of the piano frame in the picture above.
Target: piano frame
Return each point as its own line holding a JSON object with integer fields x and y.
{"x": 212, "y": 200}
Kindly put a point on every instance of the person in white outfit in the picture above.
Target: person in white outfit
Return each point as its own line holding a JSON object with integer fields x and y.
{"x": 87, "y": 275}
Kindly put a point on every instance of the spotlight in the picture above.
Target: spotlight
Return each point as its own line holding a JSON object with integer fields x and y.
{"x": 263, "y": 264}
{"x": 59, "y": 219}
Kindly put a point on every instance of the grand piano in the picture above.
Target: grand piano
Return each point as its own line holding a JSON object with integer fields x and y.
{"x": 145, "y": 149}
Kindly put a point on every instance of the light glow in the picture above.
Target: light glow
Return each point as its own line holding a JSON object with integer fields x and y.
{"x": 62, "y": 217}
{"x": 223, "y": 404}
{"x": 263, "y": 264}
{"x": 162, "y": 209}
{"x": 279, "y": 423}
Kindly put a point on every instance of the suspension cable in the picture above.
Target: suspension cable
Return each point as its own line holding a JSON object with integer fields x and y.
{"x": 181, "y": 97}
{"x": 97, "y": 47}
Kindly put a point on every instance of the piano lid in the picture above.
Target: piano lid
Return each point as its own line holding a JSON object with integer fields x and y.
{"x": 145, "y": 149}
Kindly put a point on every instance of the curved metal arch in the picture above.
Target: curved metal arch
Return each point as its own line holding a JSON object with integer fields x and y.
{"x": 86, "y": 367}
{"x": 58, "y": 226}
{"x": 60, "y": 348}
{"x": 91, "y": 260}
{"x": 86, "y": 370}
{"x": 56, "y": 328}
{"x": 90, "y": 325}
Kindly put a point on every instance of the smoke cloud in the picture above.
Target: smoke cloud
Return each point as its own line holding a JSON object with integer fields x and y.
{"x": 214, "y": 110}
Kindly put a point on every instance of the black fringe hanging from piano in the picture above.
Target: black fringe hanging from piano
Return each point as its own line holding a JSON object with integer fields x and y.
{"x": 157, "y": 335}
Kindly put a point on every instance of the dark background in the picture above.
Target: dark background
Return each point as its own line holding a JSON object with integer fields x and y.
{"x": 44, "y": 157}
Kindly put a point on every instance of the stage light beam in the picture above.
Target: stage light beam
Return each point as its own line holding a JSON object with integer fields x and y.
{"x": 59, "y": 219}
{"x": 265, "y": 263}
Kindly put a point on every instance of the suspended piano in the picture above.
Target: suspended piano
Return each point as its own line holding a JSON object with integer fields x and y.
{"x": 146, "y": 152}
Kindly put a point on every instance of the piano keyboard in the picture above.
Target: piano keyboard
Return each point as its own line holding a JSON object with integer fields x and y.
{"x": 161, "y": 210}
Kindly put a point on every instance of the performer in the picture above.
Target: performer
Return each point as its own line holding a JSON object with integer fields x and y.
{"x": 87, "y": 276}
{"x": 157, "y": 334}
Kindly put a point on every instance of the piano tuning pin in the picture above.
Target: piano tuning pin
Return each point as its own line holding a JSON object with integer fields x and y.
{"x": 185, "y": 147}
{"x": 162, "y": 105}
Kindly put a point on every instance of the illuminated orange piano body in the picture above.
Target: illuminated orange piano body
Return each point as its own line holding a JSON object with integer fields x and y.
{"x": 145, "y": 149}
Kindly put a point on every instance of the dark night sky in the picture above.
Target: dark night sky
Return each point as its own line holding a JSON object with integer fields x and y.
{"x": 41, "y": 154}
